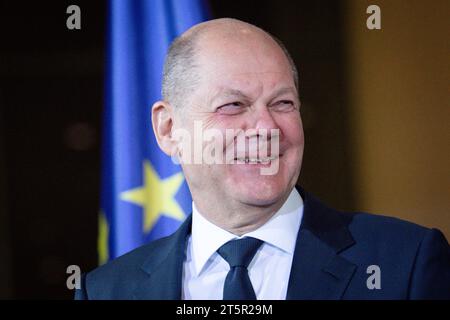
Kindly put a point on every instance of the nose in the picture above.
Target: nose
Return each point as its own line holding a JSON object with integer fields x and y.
{"x": 262, "y": 122}
{"x": 262, "y": 131}
{"x": 264, "y": 118}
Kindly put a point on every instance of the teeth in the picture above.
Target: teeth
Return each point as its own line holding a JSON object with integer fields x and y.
{"x": 256, "y": 160}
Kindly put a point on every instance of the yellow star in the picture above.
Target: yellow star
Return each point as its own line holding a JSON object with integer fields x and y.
{"x": 156, "y": 196}
{"x": 102, "y": 240}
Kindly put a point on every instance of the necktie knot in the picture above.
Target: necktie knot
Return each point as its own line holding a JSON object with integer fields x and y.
{"x": 239, "y": 253}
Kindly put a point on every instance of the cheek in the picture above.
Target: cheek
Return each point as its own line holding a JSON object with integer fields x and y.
{"x": 292, "y": 130}
{"x": 224, "y": 122}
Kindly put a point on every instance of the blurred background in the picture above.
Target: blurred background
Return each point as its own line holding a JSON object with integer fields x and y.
{"x": 375, "y": 109}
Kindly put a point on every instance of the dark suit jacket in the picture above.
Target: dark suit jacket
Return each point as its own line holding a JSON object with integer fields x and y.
{"x": 332, "y": 254}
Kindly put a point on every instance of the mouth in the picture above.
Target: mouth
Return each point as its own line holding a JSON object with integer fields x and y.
{"x": 254, "y": 161}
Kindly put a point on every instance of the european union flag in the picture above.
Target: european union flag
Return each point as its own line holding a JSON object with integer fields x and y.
{"x": 144, "y": 195}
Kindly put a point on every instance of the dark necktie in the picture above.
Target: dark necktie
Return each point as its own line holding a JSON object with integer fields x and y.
{"x": 239, "y": 254}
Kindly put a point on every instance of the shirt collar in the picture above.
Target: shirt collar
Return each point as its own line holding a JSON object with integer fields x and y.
{"x": 280, "y": 231}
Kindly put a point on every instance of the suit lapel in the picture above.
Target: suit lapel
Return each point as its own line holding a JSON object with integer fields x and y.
{"x": 318, "y": 272}
{"x": 164, "y": 270}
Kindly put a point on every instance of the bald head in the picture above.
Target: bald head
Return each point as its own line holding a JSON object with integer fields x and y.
{"x": 202, "y": 44}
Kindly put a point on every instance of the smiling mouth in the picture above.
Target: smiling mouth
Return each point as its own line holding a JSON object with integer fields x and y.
{"x": 247, "y": 160}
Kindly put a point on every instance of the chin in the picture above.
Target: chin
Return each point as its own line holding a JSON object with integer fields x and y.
{"x": 248, "y": 186}
{"x": 260, "y": 194}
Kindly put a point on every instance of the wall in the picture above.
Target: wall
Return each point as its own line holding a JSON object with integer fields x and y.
{"x": 400, "y": 114}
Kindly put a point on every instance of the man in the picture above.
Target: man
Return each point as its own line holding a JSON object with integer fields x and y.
{"x": 253, "y": 235}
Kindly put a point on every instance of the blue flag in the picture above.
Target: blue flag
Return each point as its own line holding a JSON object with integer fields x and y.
{"x": 144, "y": 194}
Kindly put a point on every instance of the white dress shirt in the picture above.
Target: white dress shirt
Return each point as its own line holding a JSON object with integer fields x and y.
{"x": 204, "y": 270}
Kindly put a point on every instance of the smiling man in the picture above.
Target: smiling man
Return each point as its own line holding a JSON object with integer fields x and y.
{"x": 254, "y": 235}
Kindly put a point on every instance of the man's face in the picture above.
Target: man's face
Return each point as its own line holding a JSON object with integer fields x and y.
{"x": 244, "y": 87}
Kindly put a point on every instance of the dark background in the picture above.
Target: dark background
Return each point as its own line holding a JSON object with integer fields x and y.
{"x": 51, "y": 99}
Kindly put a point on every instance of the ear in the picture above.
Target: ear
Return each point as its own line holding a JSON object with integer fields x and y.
{"x": 162, "y": 122}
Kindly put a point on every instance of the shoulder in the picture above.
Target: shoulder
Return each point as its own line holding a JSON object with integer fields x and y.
{"x": 119, "y": 277}
{"x": 132, "y": 259}
{"x": 384, "y": 238}
{"x": 375, "y": 227}
{"x": 373, "y": 235}
{"x": 392, "y": 235}
{"x": 366, "y": 229}
{"x": 405, "y": 252}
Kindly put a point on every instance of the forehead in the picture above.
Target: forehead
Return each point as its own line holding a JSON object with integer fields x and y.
{"x": 242, "y": 62}
{"x": 244, "y": 52}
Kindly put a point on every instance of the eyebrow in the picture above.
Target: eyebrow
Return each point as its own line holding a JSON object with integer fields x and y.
{"x": 282, "y": 91}
{"x": 228, "y": 93}
{"x": 235, "y": 93}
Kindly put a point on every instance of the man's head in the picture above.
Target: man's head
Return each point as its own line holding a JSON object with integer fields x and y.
{"x": 181, "y": 68}
{"x": 227, "y": 74}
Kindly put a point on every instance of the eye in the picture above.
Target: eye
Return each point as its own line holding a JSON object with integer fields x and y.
{"x": 284, "y": 105}
{"x": 231, "y": 108}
